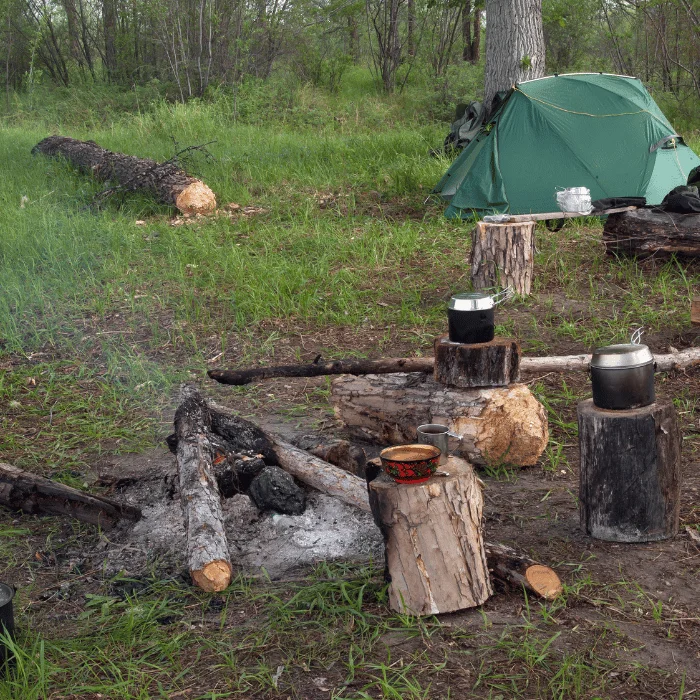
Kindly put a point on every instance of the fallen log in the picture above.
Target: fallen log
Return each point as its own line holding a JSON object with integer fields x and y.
{"x": 30, "y": 493}
{"x": 646, "y": 232}
{"x": 398, "y": 364}
{"x": 520, "y": 571}
{"x": 426, "y": 365}
{"x": 501, "y": 425}
{"x": 340, "y": 453}
{"x": 207, "y": 547}
{"x": 166, "y": 181}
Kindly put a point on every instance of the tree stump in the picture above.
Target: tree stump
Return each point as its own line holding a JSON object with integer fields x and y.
{"x": 630, "y": 472}
{"x": 645, "y": 232}
{"x": 503, "y": 255}
{"x": 433, "y": 540}
{"x": 501, "y": 425}
{"x": 695, "y": 311}
{"x": 496, "y": 363}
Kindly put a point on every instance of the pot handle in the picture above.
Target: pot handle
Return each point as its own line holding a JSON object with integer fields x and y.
{"x": 454, "y": 435}
{"x": 502, "y": 296}
{"x": 637, "y": 336}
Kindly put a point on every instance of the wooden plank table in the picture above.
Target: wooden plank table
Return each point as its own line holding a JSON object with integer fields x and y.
{"x": 565, "y": 215}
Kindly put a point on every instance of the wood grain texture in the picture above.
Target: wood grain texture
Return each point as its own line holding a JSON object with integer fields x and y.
{"x": 630, "y": 472}
{"x": 498, "y": 425}
{"x": 433, "y": 541}
{"x": 31, "y": 493}
{"x": 646, "y": 232}
{"x": 695, "y": 311}
{"x": 503, "y": 255}
{"x": 496, "y": 363}
{"x": 207, "y": 546}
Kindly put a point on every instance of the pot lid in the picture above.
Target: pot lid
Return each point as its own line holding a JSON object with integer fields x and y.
{"x": 471, "y": 301}
{"x": 6, "y": 594}
{"x": 621, "y": 356}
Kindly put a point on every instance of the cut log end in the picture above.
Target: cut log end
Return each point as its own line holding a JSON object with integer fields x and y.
{"x": 214, "y": 577}
{"x": 544, "y": 581}
{"x": 196, "y": 198}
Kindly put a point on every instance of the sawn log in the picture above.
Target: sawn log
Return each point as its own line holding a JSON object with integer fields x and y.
{"x": 30, "y": 493}
{"x": 207, "y": 547}
{"x": 166, "y": 181}
{"x": 426, "y": 365}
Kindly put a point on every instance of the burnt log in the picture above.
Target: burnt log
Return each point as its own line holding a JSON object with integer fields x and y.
{"x": 340, "y": 453}
{"x": 646, "y": 232}
{"x": 630, "y": 472}
{"x": 30, "y": 493}
{"x": 433, "y": 540}
{"x": 496, "y": 363}
{"x": 167, "y": 182}
{"x": 275, "y": 489}
{"x": 207, "y": 547}
{"x": 398, "y": 364}
{"x": 503, "y": 255}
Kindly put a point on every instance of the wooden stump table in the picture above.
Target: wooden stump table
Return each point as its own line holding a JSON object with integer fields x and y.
{"x": 433, "y": 540}
{"x": 503, "y": 255}
{"x": 496, "y": 363}
{"x": 630, "y": 472}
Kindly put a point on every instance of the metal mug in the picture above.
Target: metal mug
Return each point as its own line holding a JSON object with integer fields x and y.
{"x": 437, "y": 435}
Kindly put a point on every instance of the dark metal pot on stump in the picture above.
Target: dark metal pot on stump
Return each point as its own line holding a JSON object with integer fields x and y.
{"x": 471, "y": 316}
{"x": 622, "y": 376}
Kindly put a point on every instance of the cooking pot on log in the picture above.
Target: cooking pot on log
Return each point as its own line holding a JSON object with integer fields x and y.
{"x": 623, "y": 376}
{"x": 470, "y": 316}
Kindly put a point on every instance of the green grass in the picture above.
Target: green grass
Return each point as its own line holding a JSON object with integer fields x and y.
{"x": 101, "y": 318}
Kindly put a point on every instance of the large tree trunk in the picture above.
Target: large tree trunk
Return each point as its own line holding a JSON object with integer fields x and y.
{"x": 31, "y": 493}
{"x": 499, "y": 426}
{"x": 646, "y": 232}
{"x": 514, "y": 45}
{"x": 166, "y": 181}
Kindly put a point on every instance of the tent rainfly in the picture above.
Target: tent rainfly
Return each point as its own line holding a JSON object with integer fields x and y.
{"x": 593, "y": 130}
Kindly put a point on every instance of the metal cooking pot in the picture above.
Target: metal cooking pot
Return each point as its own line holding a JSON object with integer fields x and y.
{"x": 470, "y": 316}
{"x": 623, "y": 376}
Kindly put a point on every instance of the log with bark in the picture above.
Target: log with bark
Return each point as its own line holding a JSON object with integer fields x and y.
{"x": 695, "y": 311}
{"x": 433, "y": 540}
{"x": 166, "y": 181}
{"x": 340, "y": 453}
{"x": 207, "y": 547}
{"x": 499, "y": 425}
{"x": 630, "y": 472}
{"x": 503, "y": 255}
{"x": 394, "y": 365}
{"x": 496, "y": 363}
{"x": 646, "y": 232}
{"x": 30, "y": 493}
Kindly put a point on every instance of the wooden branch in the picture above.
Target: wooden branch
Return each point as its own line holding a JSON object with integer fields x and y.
{"x": 207, "y": 547}
{"x": 398, "y": 364}
{"x": 170, "y": 184}
{"x": 30, "y": 493}
{"x": 426, "y": 365}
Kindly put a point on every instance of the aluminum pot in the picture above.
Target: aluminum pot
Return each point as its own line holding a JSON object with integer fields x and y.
{"x": 623, "y": 376}
{"x": 470, "y": 316}
{"x": 7, "y": 626}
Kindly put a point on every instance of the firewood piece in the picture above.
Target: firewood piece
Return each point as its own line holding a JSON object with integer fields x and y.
{"x": 275, "y": 489}
{"x": 207, "y": 547}
{"x": 397, "y": 364}
{"x": 496, "y": 363}
{"x": 519, "y": 570}
{"x": 30, "y": 493}
{"x": 630, "y": 472}
{"x": 503, "y": 255}
{"x": 340, "y": 453}
{"x": 695, "y": 311}
{"x": 645, "y": 232}
{"x": 168, "y": 183}
{"x": 499, "y": 426}
{"x": 433, "y": 541}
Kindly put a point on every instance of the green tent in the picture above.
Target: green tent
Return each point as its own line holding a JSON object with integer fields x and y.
{"x": 604, "y": 132}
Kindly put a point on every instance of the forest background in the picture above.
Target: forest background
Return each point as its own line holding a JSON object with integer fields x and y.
{"x": 431, "y": 49}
